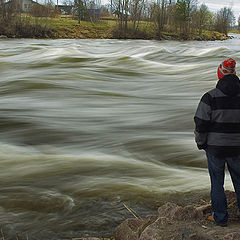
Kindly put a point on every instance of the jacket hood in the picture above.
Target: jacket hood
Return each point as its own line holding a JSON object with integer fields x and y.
{"x": 229, "y": 85}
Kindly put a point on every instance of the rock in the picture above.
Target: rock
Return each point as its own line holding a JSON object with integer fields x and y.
{"x": 232, "y": 236}
{"x": 164, "y": 229}
{"x": 151, "y": 218}
{"x": 167, "y": 209}
{"x": 212, "y": 232}
{"x": 92, "y": 238}
{"x": 188, "y": 234}
{"x": 175, "y": 222}
{"x": 231, "y": 197}
{"x": 233, "y": 212}
{"x": 198, "y": 38}
{"x": 128, "y": 230}
{"x": 155, "y": 230}
{"x": 205, "y": 208}
{"x": 178, "y": 213}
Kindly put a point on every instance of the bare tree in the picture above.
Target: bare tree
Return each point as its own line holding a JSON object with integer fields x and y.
{"x": 159, "y": 16}
{"x": 136, "y": 9}
{"x": 2, "y": 9}
{"x": 224, "y": 19}
{"x": 201, "y": 17}
{"x": 121, "y": 10}
{"x": 80, "y": 10}
{"x": 239, "y": 23}
{"x": 183, "y": 14}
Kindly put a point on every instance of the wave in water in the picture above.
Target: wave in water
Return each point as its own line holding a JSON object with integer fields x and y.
{"x": 87, "y": 125}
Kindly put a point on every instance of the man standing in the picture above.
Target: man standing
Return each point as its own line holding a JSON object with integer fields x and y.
{"x": 217, "y": 131}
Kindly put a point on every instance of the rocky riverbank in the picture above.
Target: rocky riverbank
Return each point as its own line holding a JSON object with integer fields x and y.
{"x": 174, "y": 222}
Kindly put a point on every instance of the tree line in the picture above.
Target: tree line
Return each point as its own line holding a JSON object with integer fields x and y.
{"x": 184, "y": 17}
{"x": 181, "y": 17}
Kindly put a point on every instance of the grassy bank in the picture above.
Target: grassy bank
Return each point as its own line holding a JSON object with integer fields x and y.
{"x": 235, "y": 31}
{"x": 66, "y": 27}
{"x": 63, "y": 27}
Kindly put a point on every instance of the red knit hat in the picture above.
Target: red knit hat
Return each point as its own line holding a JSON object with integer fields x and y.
{"x": 226, "y": 67}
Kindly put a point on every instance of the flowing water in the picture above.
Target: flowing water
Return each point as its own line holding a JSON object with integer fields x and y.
{"x": 88, "y": 125}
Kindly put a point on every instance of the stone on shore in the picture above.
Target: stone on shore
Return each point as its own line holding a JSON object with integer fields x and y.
{"x": 174, "y": 222}
{"x": 91, "y": 238}
{"x": 128, "y": 230}
{"x": 177, "y": 213}
{"x": 232, "y": 236}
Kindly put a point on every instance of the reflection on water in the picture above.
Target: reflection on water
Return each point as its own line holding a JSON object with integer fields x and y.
{"x": 87, "y": 125}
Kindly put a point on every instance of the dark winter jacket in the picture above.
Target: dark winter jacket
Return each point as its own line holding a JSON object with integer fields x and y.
{"x": 217, "y": 119}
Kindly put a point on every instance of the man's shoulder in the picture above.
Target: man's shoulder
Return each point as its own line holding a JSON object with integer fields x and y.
{"x": 215, "y": 92}
{"x": 208, "y": 96}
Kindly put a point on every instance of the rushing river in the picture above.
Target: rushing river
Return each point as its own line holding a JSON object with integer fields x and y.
{"x": 88, "y": 125}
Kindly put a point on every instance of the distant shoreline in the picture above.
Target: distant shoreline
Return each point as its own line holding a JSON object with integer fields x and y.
{"x": 67, "y": 28}
{"x": 166, "y": 36}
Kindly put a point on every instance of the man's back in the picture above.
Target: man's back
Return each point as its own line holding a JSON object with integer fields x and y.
{"x": 218, "y": 115}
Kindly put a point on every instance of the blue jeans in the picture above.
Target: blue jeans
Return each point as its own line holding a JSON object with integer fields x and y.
{"x": 216, "y": 167}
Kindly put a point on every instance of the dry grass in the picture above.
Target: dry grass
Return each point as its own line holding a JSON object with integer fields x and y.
{"x": 132, "y": 212}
